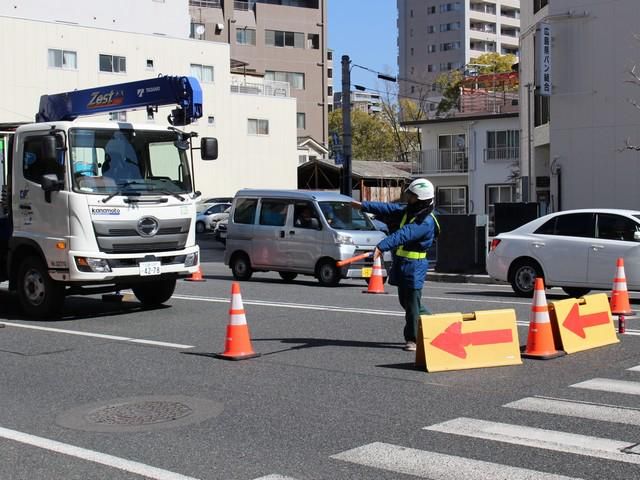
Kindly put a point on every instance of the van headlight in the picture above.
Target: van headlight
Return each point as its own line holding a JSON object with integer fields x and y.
{"x": 342, "y": 239}
{"x": 191, "y": 260}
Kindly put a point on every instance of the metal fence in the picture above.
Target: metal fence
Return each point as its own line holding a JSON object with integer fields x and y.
{"x": 268, "y": 88}
{"x": 501, "y": 154}
{"x": 440, "y": 161}
{"x": 205, "y": 3}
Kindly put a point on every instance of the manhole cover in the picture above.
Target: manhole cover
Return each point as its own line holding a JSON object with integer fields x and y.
{"x": 140, "y": 414}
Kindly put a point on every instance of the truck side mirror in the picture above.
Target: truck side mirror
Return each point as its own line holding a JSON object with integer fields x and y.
{"x": 209, "y": 148}
{"x": 50, "y": 183}
{"x": 49, "y": 148}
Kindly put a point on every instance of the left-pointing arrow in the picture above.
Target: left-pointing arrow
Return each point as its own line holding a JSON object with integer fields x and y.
{"x": 576, "y": 323}
{"x": 453, "y": 341}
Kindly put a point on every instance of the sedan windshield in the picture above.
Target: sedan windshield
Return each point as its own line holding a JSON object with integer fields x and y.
{"x": 344, "y": 216}
{"x": 145, "y": 162}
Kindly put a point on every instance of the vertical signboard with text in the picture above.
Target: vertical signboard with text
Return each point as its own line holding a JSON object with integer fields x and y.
{"x": 543, "y": 59}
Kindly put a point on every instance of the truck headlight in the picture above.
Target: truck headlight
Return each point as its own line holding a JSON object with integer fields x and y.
{"x": 96, "y": 265}
{"x": 342, "y": 239}
{"x": 191, "y": 260}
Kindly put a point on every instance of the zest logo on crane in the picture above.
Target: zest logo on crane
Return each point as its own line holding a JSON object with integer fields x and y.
{"x": 100, "y": 100}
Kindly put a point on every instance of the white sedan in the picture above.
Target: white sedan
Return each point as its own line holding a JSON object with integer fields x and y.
{"x": 204, "y": 219}
{"x": 575, "y": 249}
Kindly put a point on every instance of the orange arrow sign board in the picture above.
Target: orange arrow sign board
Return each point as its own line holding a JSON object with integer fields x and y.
{"x": 451, "y": 341}
{"x": 586, "y": 326}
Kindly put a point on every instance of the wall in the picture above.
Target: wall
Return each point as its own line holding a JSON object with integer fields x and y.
{"x": 245, "y": 160}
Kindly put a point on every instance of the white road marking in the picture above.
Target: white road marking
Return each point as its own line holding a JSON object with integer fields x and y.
{"x": 570, "y": 408}
{"x": 275, "y": 477}
{"x": 635, "y": 369}
{"x": 436, "y": 466}
{"x": 540, "y": 438}
{"x": 92, "y": 456}
{"x": 610, "y": 385}
{"x": 99, "y": 335}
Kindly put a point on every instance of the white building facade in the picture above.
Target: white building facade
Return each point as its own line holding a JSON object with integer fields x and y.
{"x": 574, "y": 144}
{"x": 256, "y": 129}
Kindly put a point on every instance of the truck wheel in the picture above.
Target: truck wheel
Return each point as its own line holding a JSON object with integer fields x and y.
{"x": 154, "y": 293}
{"x": 328, "y": 274}
{"x": 40, "y": 296}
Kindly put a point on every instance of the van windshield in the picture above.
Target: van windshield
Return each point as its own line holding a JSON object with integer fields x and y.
{"x": 344, "y": 216}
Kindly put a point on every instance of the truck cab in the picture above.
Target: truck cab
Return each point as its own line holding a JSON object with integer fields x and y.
{"x": 97, "y": 207}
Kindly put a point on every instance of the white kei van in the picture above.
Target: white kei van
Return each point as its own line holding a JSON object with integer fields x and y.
{"x": 299, "y": 232}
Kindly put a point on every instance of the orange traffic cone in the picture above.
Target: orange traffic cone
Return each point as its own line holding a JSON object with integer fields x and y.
{"x": 196, "y": 276}
{"x": 376, "y": 283}
{"x": 540, "y": 343}
{"x": 619, "y": 295}
{"x": 237, "y": 344}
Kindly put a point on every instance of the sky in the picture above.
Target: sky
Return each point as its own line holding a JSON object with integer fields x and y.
{"x": 366, "y": 30}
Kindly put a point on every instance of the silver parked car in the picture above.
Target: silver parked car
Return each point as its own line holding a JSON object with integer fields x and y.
{"x": 299, "y": 232}
{"x": 205, "y": 218}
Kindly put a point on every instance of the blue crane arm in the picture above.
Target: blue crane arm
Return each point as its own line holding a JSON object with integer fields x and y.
{"x": 185, "y": 92}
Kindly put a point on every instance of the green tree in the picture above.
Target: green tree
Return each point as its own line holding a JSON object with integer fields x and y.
{"x": 371, "y": 136}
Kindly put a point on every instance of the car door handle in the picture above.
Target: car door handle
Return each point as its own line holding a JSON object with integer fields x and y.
{"x": 292, "y": 232}
{"x": 595, "y": 248}
{"x": 281, "y": 233}
{"x": 538, "y": 244}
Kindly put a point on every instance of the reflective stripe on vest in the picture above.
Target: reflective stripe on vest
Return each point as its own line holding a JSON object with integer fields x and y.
{"x": 412, "y": 255}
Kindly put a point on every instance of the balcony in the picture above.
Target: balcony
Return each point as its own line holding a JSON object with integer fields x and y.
{"x": 206, "y": 3}
{"x": 502, "y": 154}
{"x": 486, "y": 8}
{"x": 440, "y": 161}
{"x": 267, "y": 89}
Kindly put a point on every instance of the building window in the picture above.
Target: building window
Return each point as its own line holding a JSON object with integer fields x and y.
{"x": 203, "y": 73}
{"x": 313, "y": 41}
{"x": 113, "y": 64}
{"x": 413, "y": 89}
{"x": 411, "y": 13}
{"x": 413, "y": 70}
{"x": 431, "y": 10}
{"x": 497, "y": 194}
{"x": 431, "y": 48}
{"x": 245, "y": 36}
{"x": 430, "y": 68}
{"x": 211, "y": 120}
{"x": 278, "y": 38}
{"x": 65, "y": 59}
{"x": 118, "y": 116}
{"x": 329, "y": 90}
{"x": 431, "y": 29}
{"x": 257, "y": 126}
{"x": 149, "y": 64}
{"x": 449, "y": 27}
{"x": 539, "y": 4}
{"x": 503, "y": 145}
{"x": 444, "y": 47}
{"x": 301, "y": 120}
{"x": 450, "y": 7}
{"x": 412, "y": 51}
{"x": 197, "y": 31}
{"x": 295, "y": 79}
{"x": 452, "y": 200}
{"x": 329, "y": 72}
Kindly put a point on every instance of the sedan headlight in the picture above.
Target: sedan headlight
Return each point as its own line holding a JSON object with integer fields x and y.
{"x": 96, "y": 265}
{"x": 342, "y": 239}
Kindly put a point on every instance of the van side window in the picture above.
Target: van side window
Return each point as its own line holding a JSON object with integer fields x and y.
{"x": 245, "y": 211}
{"x": 305, "y": 216}
{"x": 273, "y": 212}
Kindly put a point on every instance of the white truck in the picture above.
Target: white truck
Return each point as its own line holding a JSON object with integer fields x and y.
{"x": 99, "y": 207}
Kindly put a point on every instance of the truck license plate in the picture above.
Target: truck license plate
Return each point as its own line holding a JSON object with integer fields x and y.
{"x": 149, "y": 268}
{"x": 367, "y": 272}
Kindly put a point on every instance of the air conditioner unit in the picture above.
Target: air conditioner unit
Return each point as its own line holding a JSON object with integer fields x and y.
{"x": 219, "y": 27}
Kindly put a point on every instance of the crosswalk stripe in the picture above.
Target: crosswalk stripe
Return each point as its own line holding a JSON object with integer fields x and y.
{"x": 610, "y": 385}
{"x": 540, "y": 438}
{"x": 436, "y": 466}
{"x": 569, "y": 408}
{"x": 635, "y": 369}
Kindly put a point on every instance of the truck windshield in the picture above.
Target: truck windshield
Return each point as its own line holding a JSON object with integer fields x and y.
{"x": 343, "y": 216}
{"x": 143, "y": 161}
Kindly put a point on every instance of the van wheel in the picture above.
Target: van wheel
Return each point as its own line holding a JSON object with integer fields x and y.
{"x": 40, "y": 296}
{"x": 241, "y": 267}
{"x": 576, "y": 292}
{"x": 153, "y": 294}
{"x": 288, "y": 276}
{"x": 328, "y": 274}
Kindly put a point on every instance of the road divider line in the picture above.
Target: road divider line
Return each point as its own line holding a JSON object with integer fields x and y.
{"x": 92, "y": 456}
{"x": 435, "y": 466}
{"x": 595, "y": 447}
{"x": 610, "y": 385}
{"x": 99, "y": 335}
{"x": 570, "y": 408}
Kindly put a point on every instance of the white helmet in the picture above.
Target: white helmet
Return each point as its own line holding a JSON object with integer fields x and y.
{"x": 422, "y": 188}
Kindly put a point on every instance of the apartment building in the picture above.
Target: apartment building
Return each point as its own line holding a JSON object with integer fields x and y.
{"x": 438, "y": 36}
{"x": 580, "y": 123}
{"x": 285, "y": 40}
{"x": 362, "y": 101}
{"x": 254, "y": 127}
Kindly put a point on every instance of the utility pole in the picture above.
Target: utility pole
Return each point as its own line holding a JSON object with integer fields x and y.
{"x": 346, "y": 127}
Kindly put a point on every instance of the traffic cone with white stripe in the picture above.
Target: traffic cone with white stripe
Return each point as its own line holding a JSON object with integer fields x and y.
{"x": 376, "y": 282}
{"x": 237, "y": 344}
{"x": 619, "y": 294}
{"x": 540, "y": 342}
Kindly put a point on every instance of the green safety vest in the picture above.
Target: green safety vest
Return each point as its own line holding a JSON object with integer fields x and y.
{"x": 412, "y": 255}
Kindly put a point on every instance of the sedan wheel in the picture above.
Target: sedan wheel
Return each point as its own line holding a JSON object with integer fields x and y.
{"x": 524, "y": 277}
